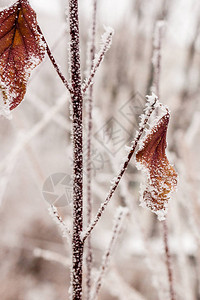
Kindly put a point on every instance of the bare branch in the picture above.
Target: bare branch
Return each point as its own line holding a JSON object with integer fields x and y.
{"x": 120, "y": 215}
{"x": 51, "y": 256}
{"x": 59, "y": 221}
{"x": 157, "y": 56}
{"x": 106, "y": 43}
{"x": 62, "y": 77}
{"x": 168, "y": 261}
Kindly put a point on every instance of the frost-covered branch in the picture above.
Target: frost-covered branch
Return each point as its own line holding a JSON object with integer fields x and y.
{"x": 77, "y": 138}
{"x": 59, "y": 221}
{"x": 106, "y": 43}
{"x": 168, "y": 261}
{"x": 51, "y": 256}
{"x": 55, "y": 44}
{"x": 89, "y": 125}
{"x": 157, "y": 39}
{"x": 56, "y": 66}
{"x": 119, "y": 219}
{"x": 150, "y": 106}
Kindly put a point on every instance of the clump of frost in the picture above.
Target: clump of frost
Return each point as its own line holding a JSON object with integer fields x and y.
{"x": 5, "y": 111}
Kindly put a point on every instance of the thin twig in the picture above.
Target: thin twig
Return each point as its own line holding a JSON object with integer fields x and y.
{"x": 156, "y": 59}
{"x": 59, "y": 221}
{"x": 120, "y": 215}
{"x": 89, "y": 254}
{"x": 51, "y": 57}
{"x": 106, "y": 43}
{"x": 168, "y": 261}
{"x": 144, "y": 122}
{"x": 51, "y": 256}
{"x": 55, "y": 44}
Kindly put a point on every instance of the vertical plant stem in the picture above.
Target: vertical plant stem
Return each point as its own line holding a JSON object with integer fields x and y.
{"x": 157, "y": 43}
{"x": 89, "y": 255}
{"x": 156, "y": 60}
{"x": 168, "y": 261}
{"x": 76, "y": 96}
{"x": 119, "y": 219}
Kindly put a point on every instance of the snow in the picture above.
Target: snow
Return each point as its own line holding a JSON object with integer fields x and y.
{"x": 5, "y": 111}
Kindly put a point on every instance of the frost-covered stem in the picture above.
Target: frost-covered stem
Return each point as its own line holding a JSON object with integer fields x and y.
{"x": 168, "y": 261}
{"x": 54, "y": 63}
{"x": 120, "y": 215}
{"x": 59, "y": 221}
{"x": 77, "y": 131}
{"x": 51, "y": 256}
{"x": 113, "y": 187}
{"x": 89, "y": 254}
{"x": 157, "y": 39}
{"x": 107, "y": 40}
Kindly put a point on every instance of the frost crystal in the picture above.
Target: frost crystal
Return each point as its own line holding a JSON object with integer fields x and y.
{"x": 5, "y": 111}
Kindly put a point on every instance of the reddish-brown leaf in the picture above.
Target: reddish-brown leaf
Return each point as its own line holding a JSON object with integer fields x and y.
{"x": 161, "y": 177}
{"x": 21, "y": 50}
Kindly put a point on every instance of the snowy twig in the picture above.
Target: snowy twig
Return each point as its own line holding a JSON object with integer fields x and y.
{"x": 156, "y": 60}
{"x": 62, "y": 77}
{"x": 120, "y": 215}
{"x": 168, "y": 261}
{"x": 89, "y": 254}
{"x": 151, "y": 104}
{"x": 106, "y": 43}
{"x": 157, "y": 39}
{"x": 55, "y": 44}
{"x": 59, "y": 221}
{"x": 51, "y": 256}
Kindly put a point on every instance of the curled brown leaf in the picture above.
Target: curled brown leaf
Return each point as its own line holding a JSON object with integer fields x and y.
{"x": 161, "y": 178}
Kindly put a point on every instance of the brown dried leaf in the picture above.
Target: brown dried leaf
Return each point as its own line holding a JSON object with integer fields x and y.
{"x": 21, "y": 50}
{"x": 161, "y": 176}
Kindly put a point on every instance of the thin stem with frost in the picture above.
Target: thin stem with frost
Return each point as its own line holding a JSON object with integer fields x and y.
{"x": 168, "y": 261}
{"x": 106, "y": 43}
{"x": 120, "y": 215}
{"x": 89, "y": 254}
{"x": 59, "y": 221}
{"x": 143, "y": 124}
{"x": 62, "y": 77}
{"x": 156, "y": 59}
{"x": 51, "y": 256}
{"x": 77, "y": 135}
